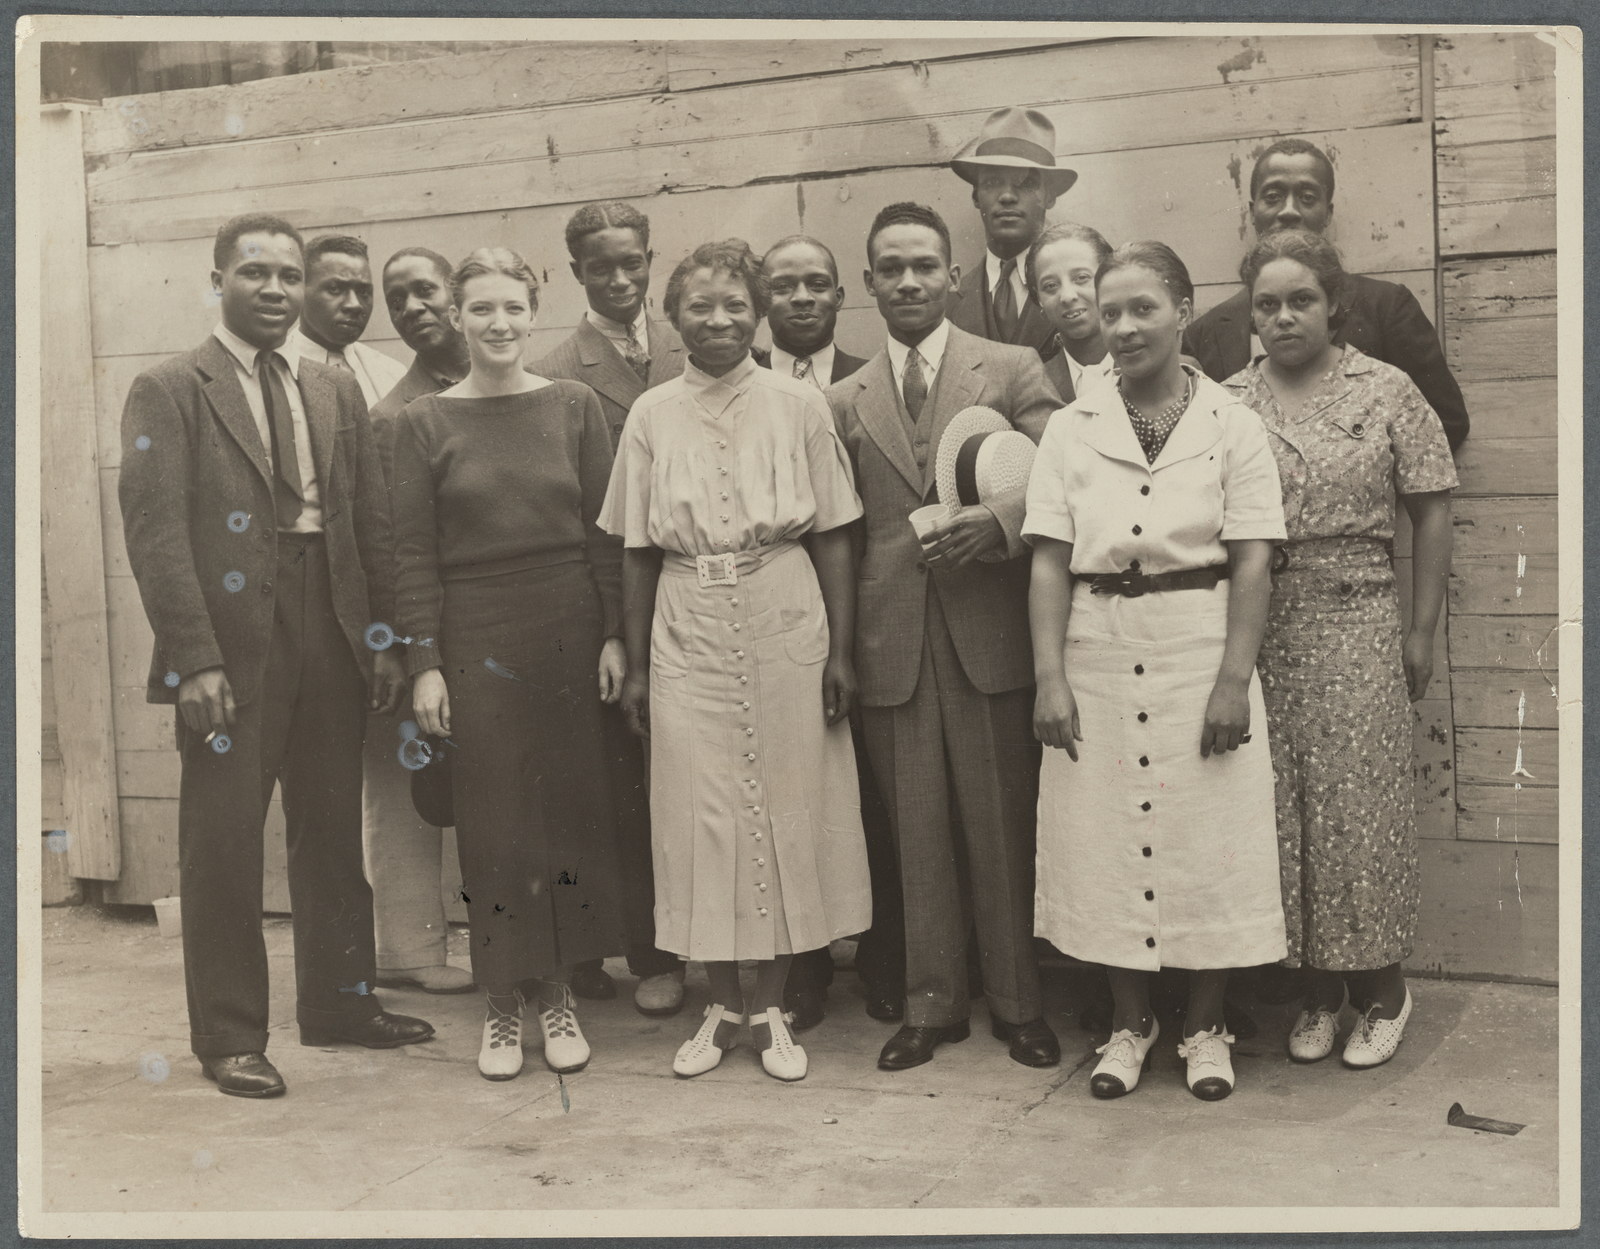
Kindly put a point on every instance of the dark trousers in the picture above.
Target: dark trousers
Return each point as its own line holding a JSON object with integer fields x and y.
{"x": 881, "y": 953}
{"x": 305, "y": 732}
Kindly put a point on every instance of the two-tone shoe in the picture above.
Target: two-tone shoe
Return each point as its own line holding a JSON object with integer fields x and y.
{"x": 500, "y": 1050}
{"x": 1311, "y": 1038}
{"x": 1210, "y": 1064}
{"x": 1122, "y": 1059}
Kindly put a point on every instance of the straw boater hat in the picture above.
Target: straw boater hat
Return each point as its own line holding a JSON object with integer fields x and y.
{"x": 1015, "y": 138}
{"x": 980, "y": 458}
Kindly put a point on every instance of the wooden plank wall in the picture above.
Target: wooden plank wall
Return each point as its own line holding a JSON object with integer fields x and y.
{"x": 760, "y": 140}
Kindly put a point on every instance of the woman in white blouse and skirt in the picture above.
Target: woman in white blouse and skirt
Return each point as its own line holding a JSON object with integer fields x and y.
{"x": 1153, "y": 508}
{"x": 739, "y": 668}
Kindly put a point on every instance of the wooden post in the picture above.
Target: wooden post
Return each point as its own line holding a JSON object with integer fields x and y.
{"x": 70, "y": 484}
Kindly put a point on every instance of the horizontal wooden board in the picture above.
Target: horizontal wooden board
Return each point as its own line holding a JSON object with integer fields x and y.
{"x": 1492, "y": 88}
{"x": 466, "y": 83}
{"x": 1507, "y": 813}
{"x": 1499, "y": 287}
{"x": 1485, "y": 698}
{"x": 1497, "y": 197}
{"x": 1503, "y": 585}
{"x": 1516, "y": 225}
{"x": 693, "y": 64}
{"x": 148, "y": 773}
{"x": 1488, "y": 911}
{"x": 1489, "y": 756}
{"x": 1502, "y": 526}
{"x": 1501, "y": 466}
{"x": 1519, "y": 643}
{"x": 891, "y": 117}
{"x": 1512, "y": 409}
{"x": 1502, "y": 347}
{"x": 1433, "y": 767}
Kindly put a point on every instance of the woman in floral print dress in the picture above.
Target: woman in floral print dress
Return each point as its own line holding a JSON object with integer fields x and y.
{"x": 1349, "y": 433}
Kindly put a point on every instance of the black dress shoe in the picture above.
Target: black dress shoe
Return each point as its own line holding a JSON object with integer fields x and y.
{"x": 806, "y": 1007}
{"x": 888, "y": 1005}
{"x": 382, "y": 1031}
{"x": 1033, "y": 1044}
{"x": 243, "y": 1075}
{"x": 911, "y": 1047}
{"x": 591, "y": 980}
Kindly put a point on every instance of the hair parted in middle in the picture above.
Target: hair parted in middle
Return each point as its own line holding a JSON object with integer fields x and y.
{"x": 1056, "y": 234}
{"x": 730, "y": 256}
{"x": 485, "y": 260}
{"x": 1304, "y": 247}
{"x": 1160, "y": 259}
{"x": 605, "y": 215}
{"x": 906, "y": 213}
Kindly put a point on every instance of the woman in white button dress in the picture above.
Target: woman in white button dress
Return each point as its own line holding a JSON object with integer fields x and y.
{"x": 1152, "y": 508}
{"x": 739, "y": 667}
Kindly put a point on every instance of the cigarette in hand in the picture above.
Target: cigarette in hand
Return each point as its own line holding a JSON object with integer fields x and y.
{"x": 209, "y": 736}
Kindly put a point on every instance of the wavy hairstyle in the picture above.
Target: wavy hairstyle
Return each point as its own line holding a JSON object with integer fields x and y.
{"x": 730, "y": 256}
{"x": 1056, "y": 234}
{"x": 1160, "y": 259}
{"x": 487, "y": 260}
{"x": 1311, "y": 250}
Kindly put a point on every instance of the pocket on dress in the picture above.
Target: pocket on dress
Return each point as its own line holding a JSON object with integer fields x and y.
{"x": 805, "y": 634}
{"x": 671, "y": 644}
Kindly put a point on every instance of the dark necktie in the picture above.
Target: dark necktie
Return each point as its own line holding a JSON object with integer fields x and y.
{"x": 1005, "y": 302}
{"x": 913, "y": 386}
{"x": 288, "y": 492}
{"x": 637, "y": 356}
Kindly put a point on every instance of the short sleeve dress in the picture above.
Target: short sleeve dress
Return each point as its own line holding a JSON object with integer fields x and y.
{"x": 1150, "y": 856}
{"x": 1330, "y": 662}
{"x": 754, "y": 805}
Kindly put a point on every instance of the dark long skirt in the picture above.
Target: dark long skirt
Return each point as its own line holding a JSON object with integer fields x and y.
{"x": 535, "y": 822}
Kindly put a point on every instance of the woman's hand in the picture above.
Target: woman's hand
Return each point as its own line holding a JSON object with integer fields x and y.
{"x": 430, "y": 702}
{"x": 1416, "y": 653}
{"x": 1055, "y": 716}
{"x": 838, "y": 688}
{"x": 1227, "y": 717}
{"x": 613, "y": 668}
{"x": 636, "y": 703}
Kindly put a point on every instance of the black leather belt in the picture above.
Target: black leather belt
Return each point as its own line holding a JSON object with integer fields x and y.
{"x": 1132, "y": 583}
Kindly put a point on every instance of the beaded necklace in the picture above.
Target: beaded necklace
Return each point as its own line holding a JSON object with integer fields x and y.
{"x": 1153, "y": 432}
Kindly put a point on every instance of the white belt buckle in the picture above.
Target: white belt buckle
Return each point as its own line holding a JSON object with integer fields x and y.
{"x": 717, "y": 569}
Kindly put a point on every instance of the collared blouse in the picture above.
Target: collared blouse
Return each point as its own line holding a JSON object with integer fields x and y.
{"x": 1365, "y": 433}
{"x": 1214, "y": 482}
{"x": 709, "y": 465}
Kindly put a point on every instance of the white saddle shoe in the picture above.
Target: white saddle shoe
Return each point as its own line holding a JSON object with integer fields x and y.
{"x": 1374, "y": 1041}
{"x": 700, "y": 1053}
{"x": 1123, "y": 1058}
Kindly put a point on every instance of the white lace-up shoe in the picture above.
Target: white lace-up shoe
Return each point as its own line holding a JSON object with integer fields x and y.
{"x": 1311, "y": 1038}
{"x": 565, "y": 1050}
{"x": 500, "y": 1054}
{"x": 783, "y": 1059}
{"x": 700, "y": 1053}
{"x": 1374, "y": 1041}
{"x": 1210, "y": 1060}
{"x": 1124, "y": 1057}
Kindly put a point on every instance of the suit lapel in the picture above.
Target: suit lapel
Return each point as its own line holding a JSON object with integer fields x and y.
{"x": 321, "y": 402}
{"x": 666, "y": 353}
{"x": 879, "y": 412}
{"x": 958, "y": 384}
{"x": 604, "y": 369}
{"x": 232, "y": 410}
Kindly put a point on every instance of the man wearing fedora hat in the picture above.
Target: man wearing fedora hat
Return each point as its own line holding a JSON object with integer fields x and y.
{"x": 942, "y": 652}
{"x": 1015, "y": 181}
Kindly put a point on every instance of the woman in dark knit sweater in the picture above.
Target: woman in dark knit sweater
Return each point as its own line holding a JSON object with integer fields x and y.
{"x": 512, "y": 599}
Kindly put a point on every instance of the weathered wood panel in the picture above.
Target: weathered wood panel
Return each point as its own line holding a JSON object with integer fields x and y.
{"x": 1492, "y": 88}
{"x": 893, "y": 117}
{"x": 696, "y": 64}
{"x": 1508, "y": 813}
{"x": 149, "y": 851}
{"x": 512, "y": 78}
{"x": 148, "y": 773}
{"x": 1488, "y": 698}
{"x": 142, "y": 725}
{"x": 1500, "y": 287}
{"x": 1504, "y": 526}
{"x": 1488, "y": 910}
{"x": 1525, "y": 643}
{"x": 1501, "y": 348}
{"x": 1492, "y": 756}
{"x": 1525, "y": 408}
{"x": 1497, "y": 197}
{"x": 1500, "y": 317}
{"x": 1502, "y": 466}
{"x": 132, "y": 640}
{"x": 70, "y": 494}
{"x": 1503, "y": 585}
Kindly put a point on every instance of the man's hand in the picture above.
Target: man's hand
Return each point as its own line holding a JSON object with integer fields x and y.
{"x": 636, "y": 703}
{"x": 613, "y": 669}
{"x": 838, "y": 688}
{"x": 961, "y": 538}
{"x": 205, "y": 700}
{"x": 388, "y": 686}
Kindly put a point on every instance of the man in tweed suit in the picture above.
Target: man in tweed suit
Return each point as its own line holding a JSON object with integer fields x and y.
{"x": 942, "y": 650}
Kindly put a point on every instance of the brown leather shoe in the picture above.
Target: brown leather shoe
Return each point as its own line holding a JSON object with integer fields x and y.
{"x": 911, "y": 1046}
{"x": 243, "y": 1075}
{"x": 1033, "y": 1044}
{"x": 382, "y": 1031}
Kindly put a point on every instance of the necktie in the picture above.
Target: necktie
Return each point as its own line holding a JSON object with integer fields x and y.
{"x": 1005, "y": 302}
{"x": 802, "y": 368}
{"x": 913, "y": 386}
{"x": 337, "y": 361}
{"x": 637, "y": 356}
{"x": 288, "y": 493}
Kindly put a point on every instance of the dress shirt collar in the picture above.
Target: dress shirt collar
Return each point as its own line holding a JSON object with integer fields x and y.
{"x": 245, "y": 353}
{"x": 716, "y": 393}
{"x": 616, "y": 331}
{"x": 821, "y": 364}
{"x": 1086, "y": 376}
{"x": 310, "y": 349}
{"x": 1019, "y": 286}
{"x": 931, "y": 349}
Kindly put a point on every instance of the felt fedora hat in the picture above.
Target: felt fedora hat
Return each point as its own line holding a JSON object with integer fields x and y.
{"x": 980, "y": 458}
{"x": 1015, "y": 138}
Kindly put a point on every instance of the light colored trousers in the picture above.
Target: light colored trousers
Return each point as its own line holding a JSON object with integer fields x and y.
{"x": 402, "y": 855}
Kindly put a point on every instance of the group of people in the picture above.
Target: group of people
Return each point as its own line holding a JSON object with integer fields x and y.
{"x": 1065, "y": 616}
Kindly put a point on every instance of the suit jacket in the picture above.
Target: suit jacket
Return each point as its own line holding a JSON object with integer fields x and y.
{"x": 205, "y": 461}
{"x": 386, "y": 412}
{"x": 843, "y": 364}
{"x": 972, "y": 309}
{"x": 985, "y": 605}
{"x": 1383, "y": 320}
{"x": 587, "y": 356}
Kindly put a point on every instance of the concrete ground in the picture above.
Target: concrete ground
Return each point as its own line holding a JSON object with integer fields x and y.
{"x": 130, "y": 1124}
